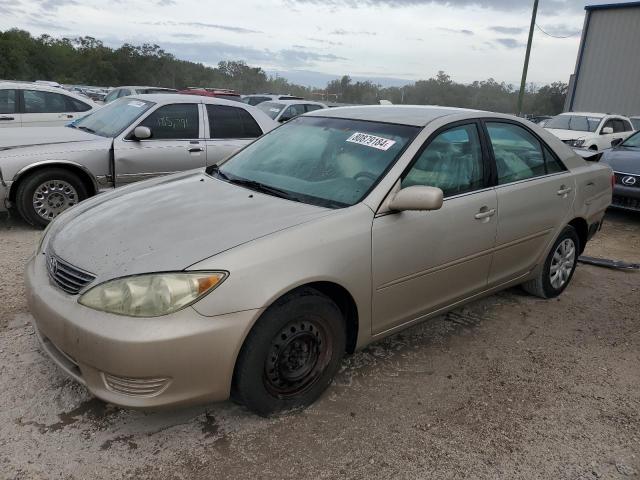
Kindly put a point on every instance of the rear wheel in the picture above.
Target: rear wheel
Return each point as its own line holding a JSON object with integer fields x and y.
{"x": 558, "y": 268}
{"x": 291, "y": 355}
{"x": 45, "y": 194}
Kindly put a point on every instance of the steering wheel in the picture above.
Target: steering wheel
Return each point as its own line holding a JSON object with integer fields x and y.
{"x": 365, "y": 176}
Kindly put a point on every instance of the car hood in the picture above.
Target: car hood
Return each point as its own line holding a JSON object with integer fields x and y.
{"x": 19, "y": 141}
{"x": 169, "y": 224}
{"x": 623, "y": 159}
{"x": 569, "y": 134}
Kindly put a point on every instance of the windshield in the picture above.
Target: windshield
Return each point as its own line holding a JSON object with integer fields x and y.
{"x": 330, "y": 162}
{"x": 271, "y": 108}
{"x": 633, "y": 140}
{"x": 113, "y": 118}
{"x": 578, "y": 123}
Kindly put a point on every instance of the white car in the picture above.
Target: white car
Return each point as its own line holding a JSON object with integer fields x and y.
{"x": 284, "y": 110}
{"x": 35, "y": 105}
{"x": 592, "y": 131}
{"x": 126, "y": 91}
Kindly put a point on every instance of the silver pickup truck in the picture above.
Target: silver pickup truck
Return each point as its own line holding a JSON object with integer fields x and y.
{"x": 44, "y": 171}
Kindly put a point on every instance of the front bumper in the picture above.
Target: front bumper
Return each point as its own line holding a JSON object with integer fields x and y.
{"x": 627, "y": 198}
{"x": 178, "y": 359}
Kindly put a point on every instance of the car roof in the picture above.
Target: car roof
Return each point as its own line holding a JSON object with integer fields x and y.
{"x": 415, "y": 115}
{"x": 143, "y": 86}
{"x": 588, "y": 114}
{"x": 286, "y": 101}
{"x": 186, "y": 98}
{"x": 47, "y": 88}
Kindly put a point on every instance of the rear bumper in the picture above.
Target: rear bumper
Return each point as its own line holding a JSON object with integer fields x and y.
{"x": 179, "y": 359}
{"x": 627, "y": 198}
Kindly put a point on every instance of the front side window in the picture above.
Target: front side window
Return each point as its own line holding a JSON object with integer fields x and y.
{"x": 619, "y": 126}
{"x": 519, "y": 154}
{"x": 292, "y": 111}
{"x": 331, "y": 162}
{"x": 36, "y": 101}
{"x": 112, "y": 119}
{"x": 231, "y": 122}
{"x": 176, "y": 121}
{"x": 272, "y": 109}
{"x": 8, "y": 102}
{"x": 609, "y": 124}
{"x": 636, "y": 123}
{"x": 452, "y": 162}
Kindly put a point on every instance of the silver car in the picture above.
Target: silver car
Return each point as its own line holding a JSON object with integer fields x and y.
{"x": 340, "y": 227}
{"x": 284, "y": 110}
{"x": 45, "y": 171}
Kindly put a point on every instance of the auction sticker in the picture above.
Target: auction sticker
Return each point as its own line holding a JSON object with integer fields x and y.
{"x": 371, "y": 141}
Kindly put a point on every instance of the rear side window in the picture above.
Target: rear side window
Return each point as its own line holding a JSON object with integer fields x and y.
{"x": 231, "y": 122}
{"x": 636, "y": 123}
{"x": 36, "y": 101}
{"x": 627, "y": 126}
{"x": 452, "y": 162}
{"x": 311, "y": 108}
{"x": 177, "y": 121}
{"x": 8, "y": 102}
{"x": 519, "y": 155}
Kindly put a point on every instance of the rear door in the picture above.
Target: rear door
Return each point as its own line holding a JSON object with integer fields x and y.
{"x": 176, "y": 144}
{"x": 535, "y": 193}
{"x": 230, "y": 129}
{"x": 9, "y": 116}
{"x": 48, "y": 109}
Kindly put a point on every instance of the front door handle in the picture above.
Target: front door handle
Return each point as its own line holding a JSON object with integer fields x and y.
{"x": 6, "y": 119}
{"x": 65, "y": 115}
{"x": 196, "y": 149}
{"x": 485, "y": 212}
{"x": 564, "y": 190}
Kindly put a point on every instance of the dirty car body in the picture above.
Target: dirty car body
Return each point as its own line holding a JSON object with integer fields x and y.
{"x": 46, "y": 170}
{"x": 334, "y": 230}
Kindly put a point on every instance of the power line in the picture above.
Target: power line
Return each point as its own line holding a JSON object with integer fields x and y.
{"x": 554, "y": 36}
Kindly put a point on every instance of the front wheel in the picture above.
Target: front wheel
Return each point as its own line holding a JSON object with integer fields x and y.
{"x": 291, "y": 355}
{"x": 558, "y": 268}
{"x": 45, "y": 194}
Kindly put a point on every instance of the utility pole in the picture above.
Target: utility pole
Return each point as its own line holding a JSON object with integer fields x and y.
{"x": 523, "y": 83}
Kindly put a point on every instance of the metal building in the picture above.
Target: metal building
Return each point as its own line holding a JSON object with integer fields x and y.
{"x": 607, "y": 74}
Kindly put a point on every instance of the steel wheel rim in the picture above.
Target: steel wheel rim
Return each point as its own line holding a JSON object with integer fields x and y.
{"x": 296, "y": 358}
{"x": 562, "y": 263}
{"x": 53, "y": 197}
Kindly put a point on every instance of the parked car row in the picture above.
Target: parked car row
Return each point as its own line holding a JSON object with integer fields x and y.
{"x": 253, "y": 277}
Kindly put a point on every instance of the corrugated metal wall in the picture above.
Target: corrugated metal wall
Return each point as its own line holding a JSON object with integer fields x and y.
{"x": 608, "y": 78}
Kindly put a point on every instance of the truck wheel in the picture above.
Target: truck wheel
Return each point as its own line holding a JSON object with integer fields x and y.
{"x": 558, "y": 267}
{"x": 45, "y": 194}
{"x": 291, "y": 355}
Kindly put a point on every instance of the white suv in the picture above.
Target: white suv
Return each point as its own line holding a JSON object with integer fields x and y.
{"x": 593, "y": 131}
{"x": 34, "y": 105}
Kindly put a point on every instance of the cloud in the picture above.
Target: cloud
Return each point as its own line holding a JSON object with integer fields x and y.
{"x": 46, "y": 25}
{"x": 510, "y": 43}
{"x": 326, "y": 42}
{"x": 508, "y": 30}
{"x": 341, "y": 31}
{"x": 165, "y": 3}
{"x": 228, "y": 28}
{"x": 454, "y": 30}
{"x": 53, "y": 5}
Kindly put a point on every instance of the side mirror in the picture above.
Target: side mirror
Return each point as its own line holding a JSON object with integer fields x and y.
{"x": 141, "y": 133}
{"x": 606, "y": 131}
{"x": 417, "y": 197}
{"x": 615, "y": 142}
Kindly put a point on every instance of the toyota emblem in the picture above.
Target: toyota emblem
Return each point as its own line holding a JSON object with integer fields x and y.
{"x": 629, "y": 181}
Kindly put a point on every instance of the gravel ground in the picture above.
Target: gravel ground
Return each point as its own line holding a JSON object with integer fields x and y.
{"x": 508, "y": 387}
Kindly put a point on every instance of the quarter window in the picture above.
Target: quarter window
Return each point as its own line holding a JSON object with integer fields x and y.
{"x": 311, "y": 107}
{"x": 77, "y": 105}
{"x": 452, "y": 162}
{"x": 7, "y": 101}
{"x": 36, "y": 101}
{"x": 177, "y": 121}
{"x": 519, "y": 155}
{"x": 231, "y": 122}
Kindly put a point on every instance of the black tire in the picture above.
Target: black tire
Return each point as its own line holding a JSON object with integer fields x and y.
{"x": 541, "y": 286}
{"x": 28, "y": 186}
{"x": 265, "y": 380}
{"x": 594, "y": 148}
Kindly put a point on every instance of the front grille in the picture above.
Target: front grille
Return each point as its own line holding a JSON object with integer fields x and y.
{"x": 69, "y": 278}
{"x": 626, "y": 202}
{"x": 135, "y": 387}
{"x": 621, "y": 176}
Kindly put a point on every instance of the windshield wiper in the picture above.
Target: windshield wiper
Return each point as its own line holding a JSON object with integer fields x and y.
{"x": 261, "y": 187}
{"x": 85, "y": 129}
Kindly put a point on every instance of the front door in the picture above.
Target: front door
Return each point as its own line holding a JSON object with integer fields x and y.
{"x": 47, "y": 109}
{"x": 423, "y": 261}
{"x": 9, "y": 116}
{"x": 535, "y": 192}
{"x": 176, "y": 144}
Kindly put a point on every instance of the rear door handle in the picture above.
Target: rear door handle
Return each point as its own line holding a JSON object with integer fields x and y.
{"x": 6, "y": 119}
{"x": 196, "y": 149}
{"x": 65, "y": 115}
{"x": 564, "y": 190}
{"x": 485, "y": 213}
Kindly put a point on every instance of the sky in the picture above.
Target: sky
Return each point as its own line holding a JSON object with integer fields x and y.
{"x": 316, "y": 39}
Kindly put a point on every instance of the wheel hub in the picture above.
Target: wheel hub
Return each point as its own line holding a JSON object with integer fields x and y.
{"x": 53, "y": 197}
{"x": 562, "y": 263}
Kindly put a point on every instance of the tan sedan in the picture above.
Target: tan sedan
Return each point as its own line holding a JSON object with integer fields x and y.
{"x": 341, "y": 227}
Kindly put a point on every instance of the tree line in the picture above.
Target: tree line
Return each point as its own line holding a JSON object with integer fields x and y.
{"x": 87, "y": 61}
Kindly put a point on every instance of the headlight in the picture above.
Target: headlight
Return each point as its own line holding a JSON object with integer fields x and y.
{"x": 151, "y": 295}
{"x": 577, "y": 143}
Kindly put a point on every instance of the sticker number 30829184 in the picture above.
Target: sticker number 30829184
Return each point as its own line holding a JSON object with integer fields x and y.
{"x": 371, "y": 141}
